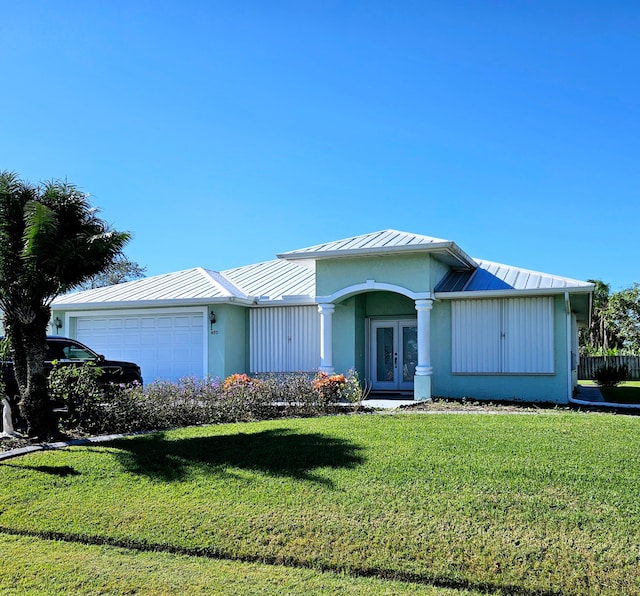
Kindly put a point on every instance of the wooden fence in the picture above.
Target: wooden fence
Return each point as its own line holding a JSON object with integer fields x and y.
{"x": 589, "y": 365}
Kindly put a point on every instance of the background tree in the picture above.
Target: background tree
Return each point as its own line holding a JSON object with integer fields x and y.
{"x": 624, "y": 309}
{"x": 51, "y": 240}
{"x": 599, "y": 336}
{"x": 615, "y": 321}
{"x": 120, "y": 270}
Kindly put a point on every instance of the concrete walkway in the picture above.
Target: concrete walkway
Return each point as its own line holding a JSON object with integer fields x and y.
{"x": 586, "y": 396}
{"x": 589, "y": 394}
{"x": 592, "y": 396}
{"x": 387, "y": 403}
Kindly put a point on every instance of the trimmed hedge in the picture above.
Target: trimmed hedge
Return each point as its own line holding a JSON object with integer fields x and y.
{"x": 117, "y": 409}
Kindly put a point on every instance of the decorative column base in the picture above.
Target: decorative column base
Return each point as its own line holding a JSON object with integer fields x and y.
{"x": 422, "y": 388}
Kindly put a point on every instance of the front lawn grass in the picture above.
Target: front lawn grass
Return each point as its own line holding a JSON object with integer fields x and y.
{"x": 529, "y": 503}
{"x": 625, "y": 393}
{"x": 53, "y": 567}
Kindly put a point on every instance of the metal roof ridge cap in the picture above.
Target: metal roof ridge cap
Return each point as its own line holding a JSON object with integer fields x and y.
{"x": 225, "y": 283}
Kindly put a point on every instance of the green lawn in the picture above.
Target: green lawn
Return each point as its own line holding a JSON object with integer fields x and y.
{"x": 438, "y": 503}
{"x": 53, "y": 567}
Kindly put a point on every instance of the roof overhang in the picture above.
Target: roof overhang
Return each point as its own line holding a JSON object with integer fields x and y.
{"x": 512, "y": 293}
{"x": 580, "y": 297}
{"x": 118, "y": 305}
{"x": 448, "y": 252}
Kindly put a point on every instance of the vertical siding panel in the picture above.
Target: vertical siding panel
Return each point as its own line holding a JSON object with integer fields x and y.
{"x": 475, "y": 336}
{"x": 513, "y": 335}
{"x": 254, "y": 338}
{"x": 305, "y": 334}
{"x": 284, "y": 339}
{"x": 279, "y": 333}
{"x": 529, "y": 342}
{"x": 492, "y": 335}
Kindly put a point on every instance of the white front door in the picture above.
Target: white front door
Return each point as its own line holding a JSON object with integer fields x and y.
{"x": 394, "y": 354}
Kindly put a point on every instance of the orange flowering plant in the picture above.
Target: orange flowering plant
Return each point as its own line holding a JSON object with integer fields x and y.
{"x": 238, "y": 381}
{"x": 329, "y": 387}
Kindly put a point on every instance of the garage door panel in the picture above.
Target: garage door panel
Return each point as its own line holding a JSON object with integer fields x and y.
{"x": 166, "y": 347}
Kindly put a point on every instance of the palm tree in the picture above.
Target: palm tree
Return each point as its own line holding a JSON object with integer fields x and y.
{"x": 51, "y": 240}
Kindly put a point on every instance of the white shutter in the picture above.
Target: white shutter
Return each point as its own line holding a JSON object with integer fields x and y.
{"x": 512, "y": 335}
{"x": 284, "y": 339}
{"x": 476, "y": 336}
{"x": 528, "y": 329}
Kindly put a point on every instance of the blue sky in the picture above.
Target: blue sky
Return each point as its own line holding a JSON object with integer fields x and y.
{"x": 222, "y": 133}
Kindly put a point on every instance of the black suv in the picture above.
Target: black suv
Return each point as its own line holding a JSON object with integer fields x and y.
{"x": 69, "y": 352}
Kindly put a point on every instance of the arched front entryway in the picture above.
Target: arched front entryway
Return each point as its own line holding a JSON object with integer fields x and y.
{"x": 397, "y": 343}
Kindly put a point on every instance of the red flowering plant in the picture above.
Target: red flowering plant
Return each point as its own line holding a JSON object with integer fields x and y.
{"x": 329, "y": 387}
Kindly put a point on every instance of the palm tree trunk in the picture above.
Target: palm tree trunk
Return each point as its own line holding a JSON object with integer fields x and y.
{"x": 28, "y": 363}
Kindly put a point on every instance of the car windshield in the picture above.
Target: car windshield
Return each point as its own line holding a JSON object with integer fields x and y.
{"x": 68, "y": 350}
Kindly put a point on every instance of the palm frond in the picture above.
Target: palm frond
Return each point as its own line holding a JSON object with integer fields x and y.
{"x": 40, "y": 230}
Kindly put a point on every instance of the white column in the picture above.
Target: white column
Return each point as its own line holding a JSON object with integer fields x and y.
{"x": 424, "y": 370}
{"x": 424, "y": 332}
{"x": 326, "y": 337}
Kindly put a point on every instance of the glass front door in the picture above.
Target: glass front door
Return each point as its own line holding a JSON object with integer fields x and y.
{"x": 394, "y": 354}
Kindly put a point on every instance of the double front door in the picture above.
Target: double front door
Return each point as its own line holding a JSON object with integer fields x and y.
{"x": 394, "y": 354}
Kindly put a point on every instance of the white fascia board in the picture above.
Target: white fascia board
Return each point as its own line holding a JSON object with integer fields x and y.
{"x": 287, "y": 301}
{"x": 450, "y": 247}
{"x": 149, "y": 303}
{"x": 512, "y": 293}
{"x": 135, "y": 311}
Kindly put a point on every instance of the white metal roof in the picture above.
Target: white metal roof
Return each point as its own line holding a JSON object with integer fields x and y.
{"x": 190, "y": 285}
{"x": 490, "y": 276}
{"x": 274, "y": 280}
{"x": 292, "y": 277}
{"x": 385, "y": 242}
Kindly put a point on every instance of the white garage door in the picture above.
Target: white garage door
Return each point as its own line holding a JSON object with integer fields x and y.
{"x": 166, "y": 346}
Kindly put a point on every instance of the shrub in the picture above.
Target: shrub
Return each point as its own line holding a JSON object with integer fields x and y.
{"x": 78, "y": 389}
{"x": 611, "y": 375}
{"x": 329, "y": 387}
{"x": 338, "y": 388}
{"x": 353, "y": 391}
{"x": 95, "y": 408}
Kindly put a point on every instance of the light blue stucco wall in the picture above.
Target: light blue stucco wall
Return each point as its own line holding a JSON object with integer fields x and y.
{"x": 348, "y": 334}
{"x": 542, "y": 388}
{"x": 410, "y": 271}
{"x": 228, "y": 340}
{"x": 438, "y": 271}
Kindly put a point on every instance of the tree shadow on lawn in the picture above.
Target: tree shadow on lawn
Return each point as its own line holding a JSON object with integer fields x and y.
{"x": 61, "y": 471}
{"x": 277, "y": 452}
